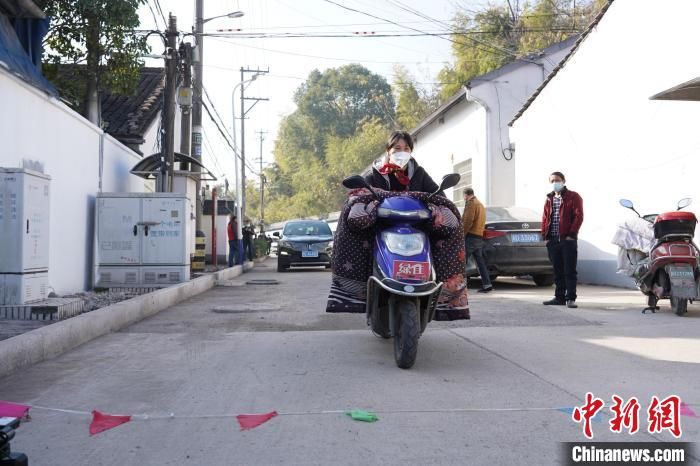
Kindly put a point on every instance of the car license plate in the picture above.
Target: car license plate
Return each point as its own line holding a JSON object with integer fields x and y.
{"x": 309, "y": 253}
{"x": 412, "y": 270}
{"x": 525, "y": 237}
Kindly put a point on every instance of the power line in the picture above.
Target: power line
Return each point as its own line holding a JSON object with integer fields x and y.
{"x": 223, "y": 124}
{"x": 348, "y": 60}
{"x": 160, "y": 10}
{"x": 331, "y": 25}
{"x": 216, "y": 111}
{"x": 225, "y": 136}
{"x": 424, "y": 16}
{"x": 371, "y": 34}
{"x": 215, "y": 157}
{"x": 501, "y": 51}
{"x": 153, "y": 13}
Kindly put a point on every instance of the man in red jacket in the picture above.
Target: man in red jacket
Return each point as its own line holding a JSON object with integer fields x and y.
{"x": 232, "y": 232}
{"x": 561, "y": 221}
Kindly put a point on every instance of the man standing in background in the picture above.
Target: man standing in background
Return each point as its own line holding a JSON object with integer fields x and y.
{"x": 561, "y": 221}
{"x": 232, "y": 231}
{"x": 474, "y": 221}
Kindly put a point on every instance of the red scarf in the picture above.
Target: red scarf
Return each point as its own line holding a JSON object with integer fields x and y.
{"x": 398, "y": 172}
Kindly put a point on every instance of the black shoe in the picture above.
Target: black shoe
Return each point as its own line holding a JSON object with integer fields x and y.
{"x": 486, "y": 290}
{"x": 571, "y": 304}
{"x": 554, "y": 302}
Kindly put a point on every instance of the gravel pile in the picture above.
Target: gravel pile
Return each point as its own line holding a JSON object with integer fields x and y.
{"x": 96, "y": 300}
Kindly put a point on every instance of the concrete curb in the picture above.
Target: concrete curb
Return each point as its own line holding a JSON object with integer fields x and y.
{"x": 50, "y": 341}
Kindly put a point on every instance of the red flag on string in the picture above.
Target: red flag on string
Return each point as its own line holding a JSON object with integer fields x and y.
{"x": 251, "y": 421}
{"x": 101, "y": 422}
{"x": 8, "y": 409}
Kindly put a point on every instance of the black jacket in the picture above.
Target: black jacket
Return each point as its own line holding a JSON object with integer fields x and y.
{"x": 420, "y": 181}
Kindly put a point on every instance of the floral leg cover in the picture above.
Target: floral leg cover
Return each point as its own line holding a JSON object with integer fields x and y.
{"x": 352, "y": 253}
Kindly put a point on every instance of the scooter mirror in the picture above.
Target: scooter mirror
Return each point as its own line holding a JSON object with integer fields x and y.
{"x": 277, "y": 234}
{"x": 355, "y": 182}
{"x": 449, "y": 181}
{"x": 685, "y": 202}
{"x": 626, "y": 203}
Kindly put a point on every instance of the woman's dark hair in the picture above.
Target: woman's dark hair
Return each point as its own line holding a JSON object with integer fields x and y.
{"x": 559, "y": 174}
{"x": 396, "y": 136}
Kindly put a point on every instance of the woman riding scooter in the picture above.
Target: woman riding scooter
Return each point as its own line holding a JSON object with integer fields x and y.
{"x": 397, "y": 173}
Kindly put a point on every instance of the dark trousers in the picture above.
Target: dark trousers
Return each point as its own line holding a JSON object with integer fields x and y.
{"x": 563, "y": 255}
{"x": 248, "y": 248}
{"x": 232, "y": 252}
{"x": 474, "y": 246}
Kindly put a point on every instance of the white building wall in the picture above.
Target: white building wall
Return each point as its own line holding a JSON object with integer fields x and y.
{"x": 503, "y": 96}
{"x": 594, "y": 122}
{"x": 461, "y": 136}
{"x": 152, "y": 138}
{"x": 38, "y": 128}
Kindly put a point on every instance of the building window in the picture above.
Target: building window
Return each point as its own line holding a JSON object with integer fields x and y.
{"x": 465, "y": 172}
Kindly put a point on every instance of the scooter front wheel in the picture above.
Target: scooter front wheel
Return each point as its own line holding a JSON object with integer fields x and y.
{"x": 406, "y": 334}
{"x": 679, "y": 305}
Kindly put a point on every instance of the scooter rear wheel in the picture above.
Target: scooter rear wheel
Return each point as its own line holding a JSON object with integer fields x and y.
{"x": 679, "y": 305}
{"x": 406, "y": 334}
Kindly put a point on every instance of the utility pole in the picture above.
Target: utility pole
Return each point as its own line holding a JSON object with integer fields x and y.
{"x": 186, "y": 105}
{"x": 167, "y": 156}
{"x": 262, "y": 183}
{"x": 197, "y": 105}
{"x": 243, "y": 114}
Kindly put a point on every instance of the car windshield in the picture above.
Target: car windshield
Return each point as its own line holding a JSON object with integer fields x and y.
{"x": 307, "y": 229}
{"x": 511, "y": 214}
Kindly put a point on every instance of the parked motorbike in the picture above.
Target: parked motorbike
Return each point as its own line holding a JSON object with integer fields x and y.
{"x": 402, "y": 292}
{"x": 671, "y": 269}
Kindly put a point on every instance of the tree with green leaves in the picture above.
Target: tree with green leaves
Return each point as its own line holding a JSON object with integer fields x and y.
{"x": 413, "y": 102}
{"x": 98, "y": 34}
{"x": 339, "y": 100}
{"x": 501, "y": 33}
{"x": 343, "y": 116}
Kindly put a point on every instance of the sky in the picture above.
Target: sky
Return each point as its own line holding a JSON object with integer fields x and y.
{"x": 290, "y": 60}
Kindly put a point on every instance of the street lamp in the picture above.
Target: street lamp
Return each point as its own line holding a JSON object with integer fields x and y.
{"x": 197, "y": 104}
{"x": 236, "y": 161}
{"x": 235, "y": 14}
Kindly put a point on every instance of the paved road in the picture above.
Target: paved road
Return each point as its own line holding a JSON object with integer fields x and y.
{"x": 473, "y": 396}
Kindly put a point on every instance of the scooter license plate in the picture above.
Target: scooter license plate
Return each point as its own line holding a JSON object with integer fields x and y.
{"x": 412, "y": 270}
{"x": 682, "y": 281}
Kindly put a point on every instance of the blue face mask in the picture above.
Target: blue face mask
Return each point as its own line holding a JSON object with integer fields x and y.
{"x": 557, "y": 186}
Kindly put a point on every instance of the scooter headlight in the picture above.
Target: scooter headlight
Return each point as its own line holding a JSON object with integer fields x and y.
{"x": 422, "y": 214}
{"x": 404, "y": 244}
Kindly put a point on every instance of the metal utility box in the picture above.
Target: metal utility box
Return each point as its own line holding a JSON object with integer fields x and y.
{"x": 142, "y": 239}
{"x": 24, "y": 235}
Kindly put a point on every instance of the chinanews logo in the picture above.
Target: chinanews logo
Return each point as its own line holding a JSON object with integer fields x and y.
{"x": 661, "y": 415}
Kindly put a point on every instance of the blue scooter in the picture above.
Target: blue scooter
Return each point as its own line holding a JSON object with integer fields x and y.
{"x": 402, "y": 293}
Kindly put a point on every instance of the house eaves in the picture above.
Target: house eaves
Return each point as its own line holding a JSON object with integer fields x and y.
{"x": 534, "y": 58}
{"x": 563, "y": 62}
{"x": 460, "y": 95}
{"x": 687, "y": 91}
{"x": 440, "y": 111}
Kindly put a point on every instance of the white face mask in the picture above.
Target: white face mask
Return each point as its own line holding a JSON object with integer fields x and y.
{"x": 400, "y": 158}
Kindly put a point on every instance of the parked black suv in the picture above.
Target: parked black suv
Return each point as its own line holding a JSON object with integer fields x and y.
{"x": 304, "y": 243}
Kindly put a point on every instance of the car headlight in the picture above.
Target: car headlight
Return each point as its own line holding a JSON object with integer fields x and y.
{"x": 383, "y": 212}
{"x": 404, "y": 244}
{"x": 284, "y": 244}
